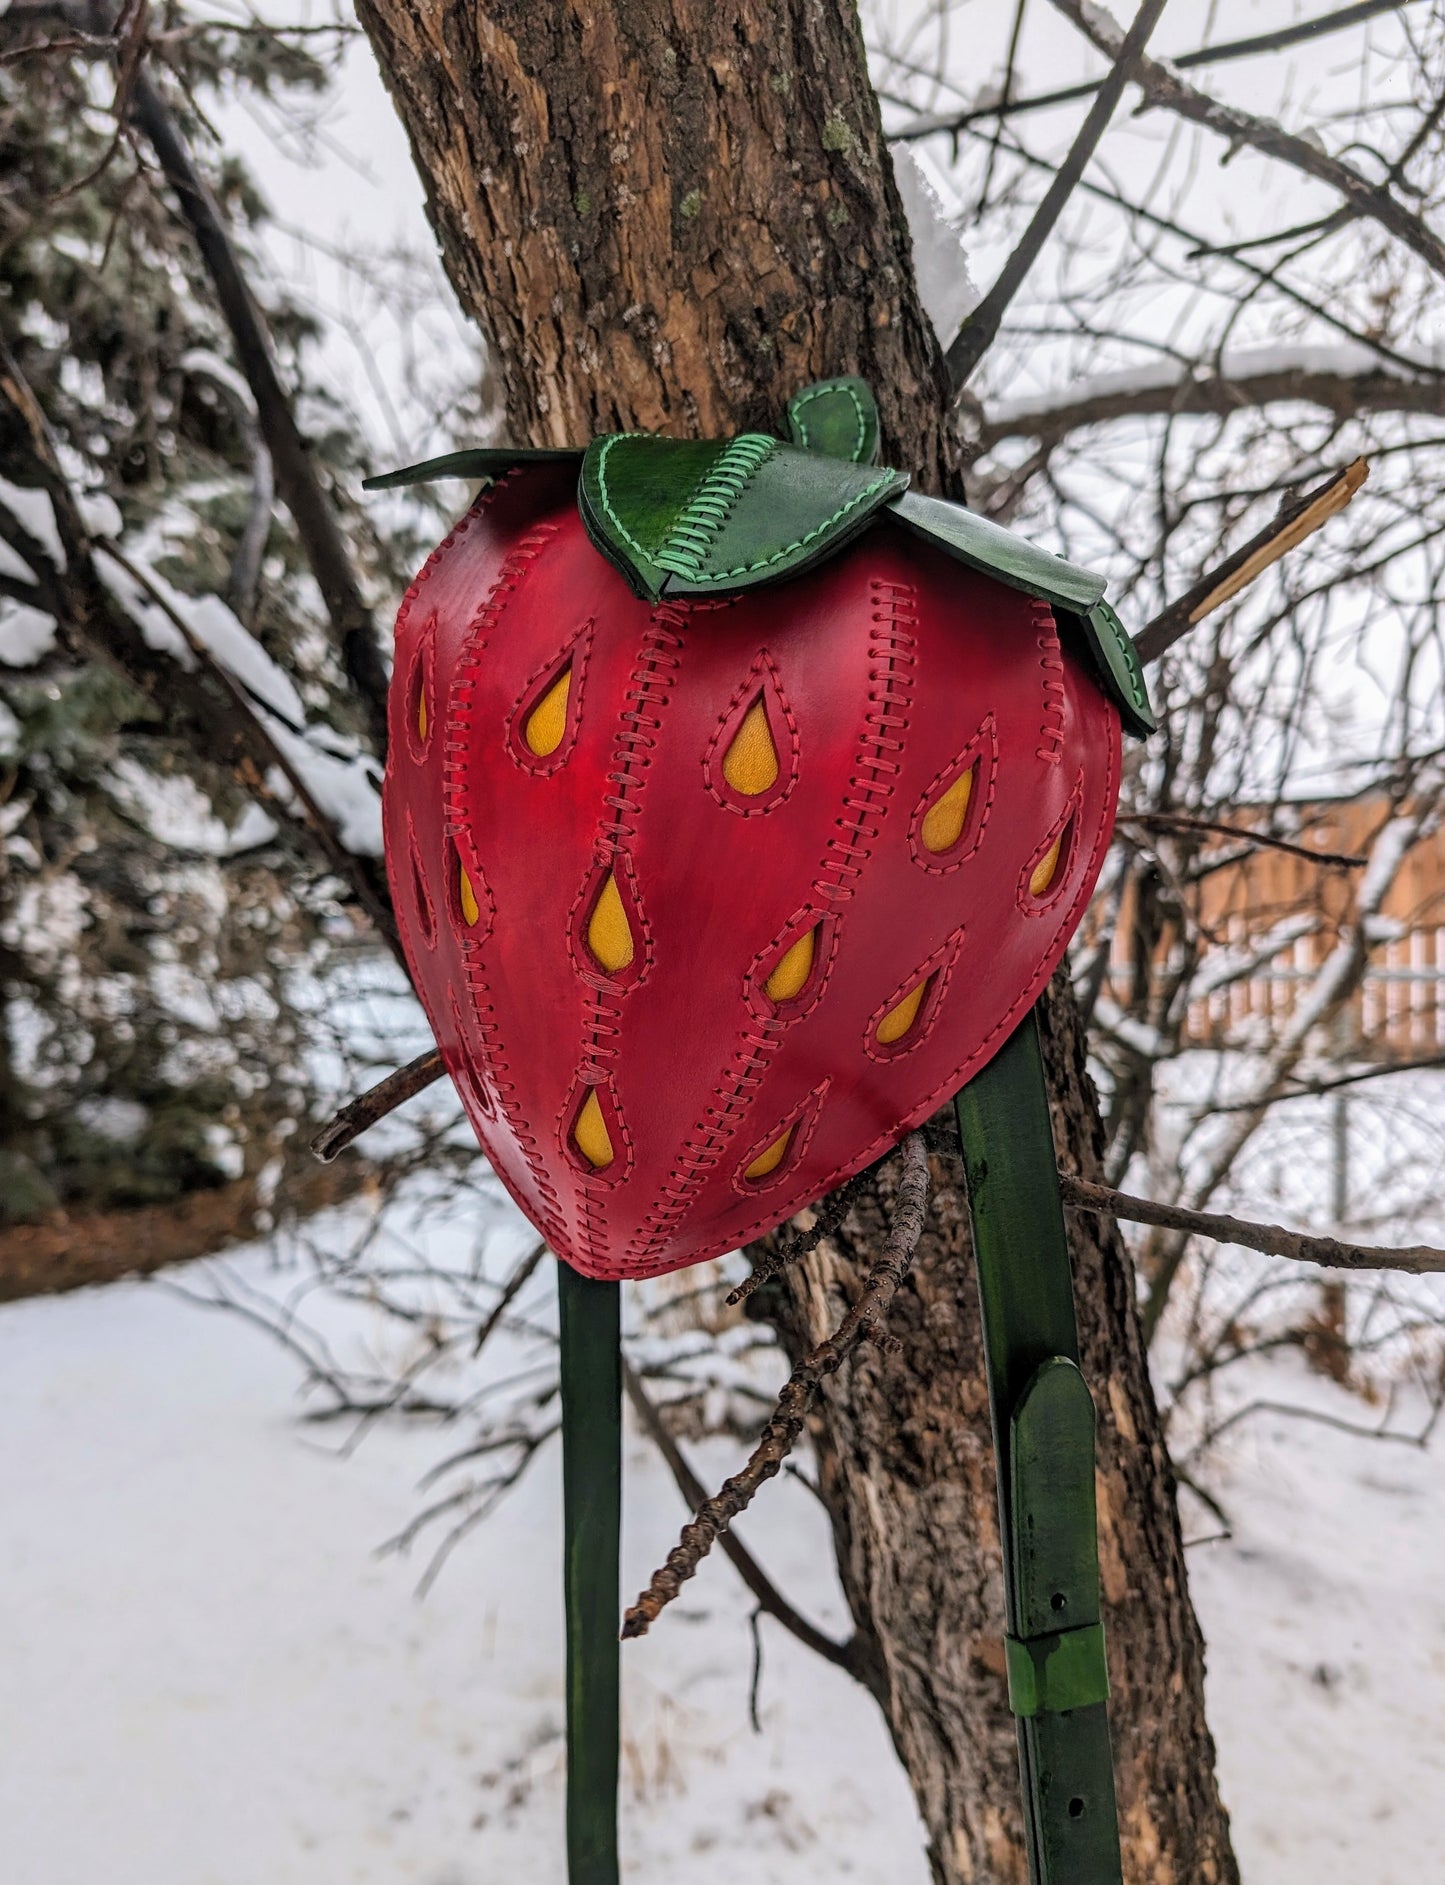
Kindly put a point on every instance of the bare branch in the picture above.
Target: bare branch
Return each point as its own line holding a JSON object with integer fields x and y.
{"x": 1278, "y": 41}
{"x": 769, "y": 1598}
{"x": 1309, "y": 377}
{"x": 311, "y": 509}
{"x": 1312, "y": 1089}
{"x": 368, "y": 1108}
{"x": 1163, "y": 87}
{"x": 862, "y": 1322}
{"x": 511, "y": 1289}
{"x": 979, "y": 331}
{"x": 1264, "y": 840}
{"x": 828, "y": 1214}
{"x": 1296, "y": 519}
{"x": 1272, "y": 1239}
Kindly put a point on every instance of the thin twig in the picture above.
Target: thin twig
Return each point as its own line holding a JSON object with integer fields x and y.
{"x": 979, "y": 331}
{"x": 1297, "y": 519}
{"x": 1274, "y": 1240}
{"x": 828, "y": 1214}
{"x": 769, "y": 1598}
{"x": 1181, "y": 821}
{"x": 716, "y": 1514}
{"x": 1163, "y": 87}
{"x": 1311, "y": 1089}
{"x": 513, "y": 1288}
{"x": 1277, "y": 41}
{"x": 375, "y": 1103}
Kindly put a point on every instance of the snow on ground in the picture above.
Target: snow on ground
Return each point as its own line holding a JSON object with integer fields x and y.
{"x": 1325, "y": 1619}
{"x": 213, "y": 1679}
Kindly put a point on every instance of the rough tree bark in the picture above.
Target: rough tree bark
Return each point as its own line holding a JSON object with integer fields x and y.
{"x": 669, "y": 215}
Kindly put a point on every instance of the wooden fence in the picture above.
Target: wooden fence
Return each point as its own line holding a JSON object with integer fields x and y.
{"x": 1253, "y": 898}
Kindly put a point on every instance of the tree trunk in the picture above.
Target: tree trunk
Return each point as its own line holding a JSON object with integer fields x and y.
{"x": 668, "y": 215}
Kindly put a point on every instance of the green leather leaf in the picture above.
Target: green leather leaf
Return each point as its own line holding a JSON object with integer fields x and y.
{"x": 1118, "y": 660}
{"x": 685, "y": 517}
{"x": 490, "y": 461}
{"x": 998, "y": 552}
{"x": 838, "y": 418}
{"x": 1076, "y": 593}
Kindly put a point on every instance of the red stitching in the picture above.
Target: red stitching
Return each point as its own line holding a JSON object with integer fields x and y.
{"x": 804, "y": 1120}
{"x": 770, "y": 1014}
{"x": 648, "y": 692}
{"x": 705, "y": 1144}
{"x": 425, "y": 908}
{"x": 940, "y": 965}
{"x": 591, "y": 972}
{"x": 1051, "y": 660}
{"x": 455, "y": 748}
{"x": 479, "y": 931}
{"x": 1062, "y": 827}
{"x": 984, "y": 1051}
{"x": 891, "y": 677}
{"x": 605, "y": 1177}
{"x": 576, "y": 655}
{"x": 763, "y": 682}
{"x": 420, "y": 683}
{"x": 981, "y": 750}
{"x": 890, "y": 696}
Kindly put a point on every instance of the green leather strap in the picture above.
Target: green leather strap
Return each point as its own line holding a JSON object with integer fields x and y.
{"x": 1043, "y": 1424}
{"x": 591, "y": 1359}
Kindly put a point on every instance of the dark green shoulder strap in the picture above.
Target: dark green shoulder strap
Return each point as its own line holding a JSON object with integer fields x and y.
{"x": 1043, "y": 1425}
{"x": 591, "y": 1359}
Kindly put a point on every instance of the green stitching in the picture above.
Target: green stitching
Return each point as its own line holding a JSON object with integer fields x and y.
{"x": 688, "y": 524}
{"x": 616, "y": 438}
{"x": 799, "y": 543}
{"x": 713, "y": 502}
{"x": 1104, "y": 617}
{"x": 824, "y": 387}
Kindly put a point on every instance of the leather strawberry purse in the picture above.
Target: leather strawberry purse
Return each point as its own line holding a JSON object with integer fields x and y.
{"x": 740, "y": 804}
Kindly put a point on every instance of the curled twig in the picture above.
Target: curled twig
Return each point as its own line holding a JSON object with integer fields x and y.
{"x": 776, "y": 1442}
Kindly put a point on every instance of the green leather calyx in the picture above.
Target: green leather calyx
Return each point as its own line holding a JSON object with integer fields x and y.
{"x": 712, "y": 517}
{"x": 683, "y": 517}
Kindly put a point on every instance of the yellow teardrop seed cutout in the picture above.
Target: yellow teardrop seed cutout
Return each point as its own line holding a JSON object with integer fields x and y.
{"x": 609, "y": 935}
{"x": 896, "y": 1023}
{"x": 790, "y": 977}
{"x": 770, "y": 1160}
{"x": 467, "y": 897}
{"x": 547, "y": 721}
{"x": 590, "y": 1136}
{"x": 1043, "y": 874}
{"x": 750, "y": 764}
{"x": 943, "y": 821}
{"x": 422, "y": 719}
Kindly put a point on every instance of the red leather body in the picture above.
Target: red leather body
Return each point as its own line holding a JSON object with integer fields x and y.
{"x": 884, "y": 675}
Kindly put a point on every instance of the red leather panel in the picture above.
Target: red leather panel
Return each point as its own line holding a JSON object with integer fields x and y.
{"x": 884, "y": 676}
